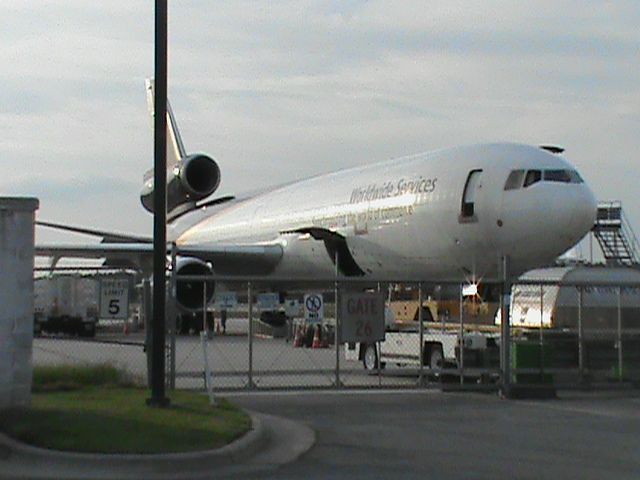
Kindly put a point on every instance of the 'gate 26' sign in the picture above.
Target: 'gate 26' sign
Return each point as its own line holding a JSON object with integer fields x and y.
{"x": 362, "y": 317}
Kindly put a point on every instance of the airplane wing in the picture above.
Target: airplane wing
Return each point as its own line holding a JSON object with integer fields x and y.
{"x": 245, "y": 259}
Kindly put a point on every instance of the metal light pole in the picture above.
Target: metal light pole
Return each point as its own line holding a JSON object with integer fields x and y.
{"x": 158, "y": 398}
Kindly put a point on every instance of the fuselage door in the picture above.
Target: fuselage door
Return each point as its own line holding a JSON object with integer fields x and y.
{"x": 468, "y": 211}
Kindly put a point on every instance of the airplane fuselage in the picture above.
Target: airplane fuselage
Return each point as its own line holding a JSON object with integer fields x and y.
{"x": 443, "y": 215}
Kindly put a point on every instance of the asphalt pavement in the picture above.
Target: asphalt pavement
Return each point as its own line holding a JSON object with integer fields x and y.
{"x": 403, "y": 434}
{"x": 430, "y": 434}
{"x": 390, "y": 434}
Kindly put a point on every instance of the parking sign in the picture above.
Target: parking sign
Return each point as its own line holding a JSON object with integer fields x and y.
{"x": 268, "y": 301}
{"x": 292, "y": 307}
{"x": 226, "y": 300}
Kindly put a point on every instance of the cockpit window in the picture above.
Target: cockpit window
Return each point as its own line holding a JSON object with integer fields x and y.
{"x": 533, "y": 176}
{"x": 575, "y": 177}
{"x": 557, "y": 176}
{"x": 563, "y": 176}
{"x": 514, "y": 180}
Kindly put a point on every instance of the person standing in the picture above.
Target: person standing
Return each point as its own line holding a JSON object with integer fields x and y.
{"x": 223, "y": 321}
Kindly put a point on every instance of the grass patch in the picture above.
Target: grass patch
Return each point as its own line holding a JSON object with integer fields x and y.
{"x": 116, "y": 420}
{"x": 95, "y": 408}
{"x": 72, "y": 377}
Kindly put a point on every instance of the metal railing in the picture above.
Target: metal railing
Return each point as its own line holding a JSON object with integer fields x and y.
{"x": 615, "y": 236}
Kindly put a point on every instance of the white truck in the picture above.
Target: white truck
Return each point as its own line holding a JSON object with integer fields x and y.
{"x": 440, "y": 344}
{"x": 66, "y": 304}
{"x": 440, "y": 349}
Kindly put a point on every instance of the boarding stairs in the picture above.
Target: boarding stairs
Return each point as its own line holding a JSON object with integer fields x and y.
{"x": 615, "y": 236}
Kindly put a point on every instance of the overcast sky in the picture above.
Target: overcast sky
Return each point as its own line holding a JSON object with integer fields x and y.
{"x": 282, "y": 90}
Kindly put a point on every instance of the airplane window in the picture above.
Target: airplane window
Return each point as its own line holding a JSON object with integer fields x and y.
{"x": 575, "y": 176}
{"x": 514, "y": 180}
{"x": 564, "y": 176}
{"x": 533, "y": 176}
{"x": 557, "y": 176}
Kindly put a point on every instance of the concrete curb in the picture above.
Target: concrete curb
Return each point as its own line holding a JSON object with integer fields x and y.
{"x": 18, "y": 460}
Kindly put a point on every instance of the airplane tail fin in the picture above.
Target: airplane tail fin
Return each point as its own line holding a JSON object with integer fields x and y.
{"x": 175, "y": 147}
{"x": 190, "y": 178}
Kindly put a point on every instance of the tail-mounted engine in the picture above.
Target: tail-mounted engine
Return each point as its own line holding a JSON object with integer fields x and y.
{"x": 193, "y": 294}
{"x": 191, "y": 179}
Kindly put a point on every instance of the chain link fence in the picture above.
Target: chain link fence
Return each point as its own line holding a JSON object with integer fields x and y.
{"x": 270, "y": 334}
{"x": 70, "y": 326}
{"x": 576, "y": 334}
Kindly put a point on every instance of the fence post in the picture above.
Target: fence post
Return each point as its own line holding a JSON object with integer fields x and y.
{"x": 337, "y": 317}
{"x": 461, "y": 341}
{"x": 620, "y": 371}
{"x": 505, "y": 328}
{"x": 443, "y": 316}
{"x": 580, "y": 338}
{"x": 148, "y": 324}
{"x": 204, "y": 307}
{"x": 250, "y": 384}
{"x": 337, "y": 335}
{"x": 542, "y": 333}
{"x": 204, "y": 337}
{"x": 378, "y": 352}
{"x": 421, "y": 344}
{"x": 172, "y": 319}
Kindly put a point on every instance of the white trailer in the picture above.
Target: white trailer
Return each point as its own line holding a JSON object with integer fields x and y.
{"x": 66, "y": 304}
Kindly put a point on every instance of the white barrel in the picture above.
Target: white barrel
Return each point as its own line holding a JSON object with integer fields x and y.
{"x": 17, "y": 216}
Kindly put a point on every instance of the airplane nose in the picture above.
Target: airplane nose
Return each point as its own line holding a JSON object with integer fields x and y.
{"x": 587, "y": 209}
{"x": 551, "y": 219}
{"x": 578, "y": 213}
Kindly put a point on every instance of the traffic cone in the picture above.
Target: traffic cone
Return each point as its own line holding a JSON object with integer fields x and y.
{"x": 297, "y": 338}
{"x": 316, "y": 338}
{"x": 325, "y": 339}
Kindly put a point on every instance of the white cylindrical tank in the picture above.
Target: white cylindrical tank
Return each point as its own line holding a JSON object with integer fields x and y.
{"x": 17, "y": 217}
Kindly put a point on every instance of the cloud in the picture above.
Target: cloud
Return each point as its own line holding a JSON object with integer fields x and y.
{"x": 69, "y": 190}
{"x": 292, "y": 88}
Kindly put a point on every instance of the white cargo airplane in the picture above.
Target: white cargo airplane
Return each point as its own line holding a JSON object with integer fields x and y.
{"x": 448, "y": 215}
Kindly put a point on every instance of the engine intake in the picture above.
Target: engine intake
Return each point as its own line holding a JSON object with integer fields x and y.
{"x": 191, "y": 179}
{"x": 199, "y": 176}
{"x": 191, "y": 295}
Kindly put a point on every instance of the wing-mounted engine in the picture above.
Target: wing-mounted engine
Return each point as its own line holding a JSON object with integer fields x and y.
{"x": 193, "y": 294}
{"x": 192, "y": 178}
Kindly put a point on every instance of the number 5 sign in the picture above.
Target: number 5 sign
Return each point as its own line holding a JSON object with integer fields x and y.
{"x": 362, "y": 317}
{"x": 114, "y": 298}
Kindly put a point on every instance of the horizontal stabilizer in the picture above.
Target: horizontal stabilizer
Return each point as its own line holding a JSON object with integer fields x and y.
{"x": 107, "y": 237}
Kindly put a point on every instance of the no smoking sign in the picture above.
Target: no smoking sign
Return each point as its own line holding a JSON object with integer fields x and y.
{"x": 313, "y": 307}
